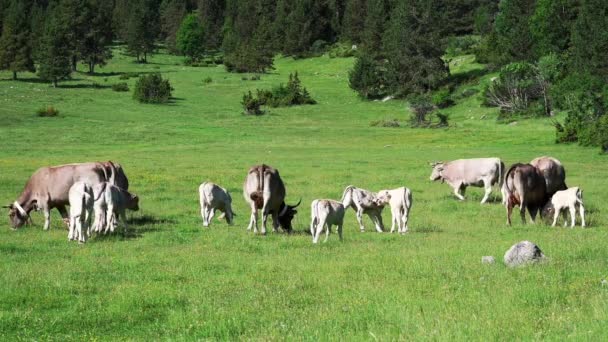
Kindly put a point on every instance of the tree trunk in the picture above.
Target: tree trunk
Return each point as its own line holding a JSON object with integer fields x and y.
{"x": 54, "y": 82}
{"x": 145, "y": 57}
{"x": 74, "y": 63}
{"x": 14, "y": 75}
{"x": 91, "y": 68}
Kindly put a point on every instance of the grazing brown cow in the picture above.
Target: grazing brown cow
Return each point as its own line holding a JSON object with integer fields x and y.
{"x": 553, "y": 172}
{"x": 264, "y": 189}
{"x": 525, "y": 187}
{"x": 49, "y": 188}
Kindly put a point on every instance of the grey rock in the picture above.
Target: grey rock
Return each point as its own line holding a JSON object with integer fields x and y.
{"x": 523, "y": 253}
{"x": 388, "y": 98}
{"x": 488, "y": 259}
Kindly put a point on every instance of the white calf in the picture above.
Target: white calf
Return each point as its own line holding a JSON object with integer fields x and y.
{"x": 110, "y": 205}
{"x": 363, "y": 202}
{"x": 325, "y": 213}
{"x": 400, "y": 201}
{"x": 214, "y": 197}
{"x": 570, "y": 199}
{"x": 81, "y": 210}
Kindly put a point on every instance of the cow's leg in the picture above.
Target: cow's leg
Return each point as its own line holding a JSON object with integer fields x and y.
{"x": 327, "y": 232}
{"x": 393, "y": 221}
{"x": 457, "y": 191}
{"x": 64, "y": 214}
{"x": 509, "y": 207}
{"x": 110, "y": 219}
{"x": 313, "y": 223}
{"x": 47, "y": 217}
{"x": 533, "y": 211}
{"x": 378, "y": 222}
{"x": 340, "y": 231}
{"x": 405, "y": 218}
{"x": 555, "y": 216}
{"x": 320, "y": 226}
{"x": 81, "y": 236}
{"x": 360, "y": 219}
{"x": 204, "y": 214}
{"x": 487, "y": 184}
{"x": 565, "y": 218}
{"x": 123, "y": 218}
{"x": 581, "y": 211}
{"x": 71, "y": 229}
{"x": 210, "y": 214}
{"x": 572, "y": 216}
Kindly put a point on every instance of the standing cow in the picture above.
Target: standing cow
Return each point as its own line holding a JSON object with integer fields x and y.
{"x": 553, "y": 172}
{"x": 264, "y": 189}
{"x": 461, "y": 173}
{"x": 363, "y": 202}
{"x": 570, "y": 199}
{"x": 324, "y": 214}
{"x": 525, "y": 187}
{"x": 214, "y": 197}
{"x": 110, "y": 204}
{"x": 49, "y": 188}
{"x": 81, "y": 211}
{"x": 400, "y": 201}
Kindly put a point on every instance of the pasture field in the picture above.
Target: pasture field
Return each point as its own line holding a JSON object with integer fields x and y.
{"x": 171, "y": 279}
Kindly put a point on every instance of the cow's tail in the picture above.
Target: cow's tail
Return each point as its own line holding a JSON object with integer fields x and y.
{"x": 101, "y": 192}
{"x": 258, "y": 196}
{"x": 112, "y": 168}
{"x": 202, "y": 195}
{"x": 347, "y": 196}
{"x": 501, "y": 169}
{"x": 315, "y": 218}
{"x": 579, "y": 196}
{"x": 407, "y": 198}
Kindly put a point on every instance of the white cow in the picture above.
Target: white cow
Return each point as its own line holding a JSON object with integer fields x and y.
{"x": 110, "y": 205}
{"x": 363, "y": 202}
{"x": 461, "y": 173}
{"x": 214, "y": 197}
{"x": 81, "y": 210}
{"x": 324, "y": 214}
{"x": 400, "y": 201}
{"x": 566, "y": 199}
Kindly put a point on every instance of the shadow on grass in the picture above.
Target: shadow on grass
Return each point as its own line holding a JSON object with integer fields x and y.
{"x": 426, "y": 229}
{"x": 136, "y": 228}
{"x": 468, "y": 76}
{"x": 84, "y": 86}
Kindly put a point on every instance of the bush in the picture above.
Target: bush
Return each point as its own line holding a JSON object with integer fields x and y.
{"x": 463, "y": 45}
{"x": 255, "y": 78}
{"x": 370, "y": 78}
{"x": 152, "y": 88}
{"x": 515, "y": 89}
{"x": 442, "y": 99}
{"x": 47, "y": 112}
{"x": 443, "y": 120}
{"x": 128, "y": 75}
{"x": 385, "y": 123}
{"x": 318, "y": 47}
{"x": 120, "y": 86}
{"x": 341, "y": 50}
{"x": 421, "y": 107}
{"x": 207, "y": 80}
{"x": 251, "y": 105}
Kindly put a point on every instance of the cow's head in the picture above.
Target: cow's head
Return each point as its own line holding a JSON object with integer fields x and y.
{"x": 437, "y": 170}
{"x": 17, "y": 215}
{"x": 383, "y": 198}
{"x": 286, "y": 215}
{"x": 133, "y": 202}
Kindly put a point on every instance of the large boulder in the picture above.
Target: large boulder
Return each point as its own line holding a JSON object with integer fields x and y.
{"x": 523, "y": 253}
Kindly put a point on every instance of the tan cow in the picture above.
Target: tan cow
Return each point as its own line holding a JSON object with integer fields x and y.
{"x": 461, "y": 173}
{"x": 400, "y": 201}
{"x": 324, "y": 214}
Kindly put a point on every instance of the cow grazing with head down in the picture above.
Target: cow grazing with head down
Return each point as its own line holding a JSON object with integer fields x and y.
{"x": 525, "y": 187}
{"x": 553, "y": 172}
{"x": 264, "y": 189}
{"x": 570, "y": 199}
{"x": 110, "y": 205}
{"x": 49, "y": 188}
{"x": 400, "y": 201}
{"x": 363, "y": 202}
{"x": 213, "y": 197}
{"x": 461, "y": 173}
{"x": 324, "y": 214}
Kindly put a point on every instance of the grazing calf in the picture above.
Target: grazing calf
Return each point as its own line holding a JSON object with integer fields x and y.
{"x": 81, "y": 211}
{"x": 524, "y": 186}
{"x": 110, "y": 205}
{"x": 363, "y": 202}
{"x": 566, "y": 199}
{"x": 214, "y": 197}
{"x": 400, "y": 201}
{"x": 325, "y": 213}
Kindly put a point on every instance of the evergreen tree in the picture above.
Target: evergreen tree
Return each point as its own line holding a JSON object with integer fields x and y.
{"x": 56, "y": 48}
{"x": 96, "y": 36}
{"x": 375, "y": 23}
{"x": 143, "y": 28}
{"x": 190, "y": 38}
{"x": 212, "y": 16}
{"x": 590, "y": 38}
{"x": 551, "y": 25}
{"x": 15, "y": 48}
{"x": 512, "y": 39}
{"x": 353, "y": 21}
{"x": 299, "y": 29}
{"x": 412, "y": 46}
{"x": 172, "y": 13}
{"x": 120, "y": 18}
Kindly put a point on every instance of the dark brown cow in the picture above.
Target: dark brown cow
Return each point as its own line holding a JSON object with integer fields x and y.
{"x": 264, "y": 189}
{"x": 553, "y": 172}
{"x": 49, "y": 188}
{"x": 525, "y": 187}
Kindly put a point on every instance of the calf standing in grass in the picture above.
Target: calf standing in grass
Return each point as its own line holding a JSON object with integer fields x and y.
{"x": 566, "y": 199}
{"x": 81, "y": 210}
{"x": 363, "y": 202}
{"x": 214, "y": 197}
{"x": 325, "y": 213}
{"x": 400, "y": 200}
{"x": 110, "y": 204}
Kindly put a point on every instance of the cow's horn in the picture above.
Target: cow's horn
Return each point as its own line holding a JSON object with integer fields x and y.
{"x": 295, "y": 206}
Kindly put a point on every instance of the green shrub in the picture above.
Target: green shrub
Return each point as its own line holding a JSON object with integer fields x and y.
{"x": 120, "y": 86}
{"x": 128, "y": 75}
{"x": 394, "y": 123}
{"x": 47, "y": 112}
{"x": 370, "y": 78}
{"x": 421, "y": 106}
{"x": 442, "y": 99}
{"x": 292, "y": 94}
{"x": 443, "y": 120}
{"x": 515, "y": 89}
{"x": 207, "y": 80}
{"x": 152, "y": 88}
{"x": 255, "y": 78}
{"x": 318, "y": 47}
{"x": 251, "y": 105}
{"x": 462, "y": 45}
{"x": 341, "y": 50}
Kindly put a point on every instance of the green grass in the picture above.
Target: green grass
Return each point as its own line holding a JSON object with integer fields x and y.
{"x": 173, "y": 279}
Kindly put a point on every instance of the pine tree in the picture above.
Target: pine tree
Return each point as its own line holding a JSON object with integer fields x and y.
{"x": 353, "y": 21}
{"x": 143, "y": 28}
{"x": 172, "y": 13}
{"x": 96, "y": 36}
{"x": 413, "y": 48}
{"x": 551, "y": 25}
{"x": 55, "y": 51}
{"x": 299, "y": 29}
{"x": 15, "y": 48}
{"x": 590, "y": 38}
{"x": 513, "y": 39}
{"x": 190, "y": 38}
{"x": 211, "y": 13}
{"x": 375, "y": 23}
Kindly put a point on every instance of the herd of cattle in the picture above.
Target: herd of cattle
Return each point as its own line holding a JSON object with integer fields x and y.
{"x": 99, "y": 190}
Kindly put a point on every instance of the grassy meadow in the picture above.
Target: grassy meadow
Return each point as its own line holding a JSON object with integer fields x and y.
{"x": 172, "y": 279}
